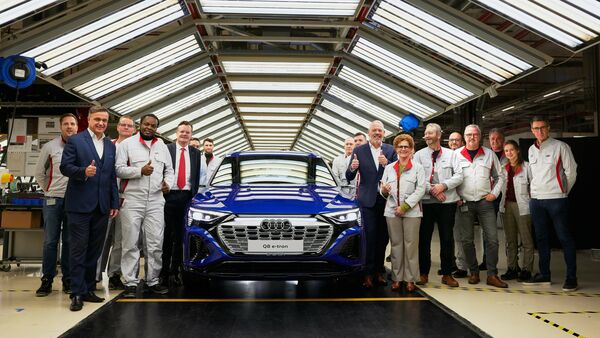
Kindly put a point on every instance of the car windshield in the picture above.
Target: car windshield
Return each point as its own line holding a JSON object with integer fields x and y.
{"x": 270, "y": 169}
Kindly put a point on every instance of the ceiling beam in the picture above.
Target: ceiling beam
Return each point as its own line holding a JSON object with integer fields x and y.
{"x": 277, "y": 23}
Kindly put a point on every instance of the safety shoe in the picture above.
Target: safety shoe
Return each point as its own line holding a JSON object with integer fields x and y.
{"x": 570, "y": 285}
{"x": 159, "y": 289}
{"x": 423, "y": 279}
{"x": 450, "y": 281}
{"x": 460, "y": 273}
{"x": 524, "y": 275}
{"x": 130, "y": 292}
{"x": 538, "y": 279}
{"x": 474, "y": 278}
{"x": 510, "y": 274}
{"x": 45, "y": 289}
{"x": 497, "y": 282}
{"x": 115, "y": 283}
{"x": 66, "y": 286}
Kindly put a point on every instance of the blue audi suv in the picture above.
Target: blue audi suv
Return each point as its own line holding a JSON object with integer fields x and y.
{"x": 272, "y": 215}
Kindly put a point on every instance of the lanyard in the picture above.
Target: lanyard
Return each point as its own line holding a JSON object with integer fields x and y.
{"x": 433, "y": 160}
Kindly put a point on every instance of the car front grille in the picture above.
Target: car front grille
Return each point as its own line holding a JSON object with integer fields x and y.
{"x": 235, "y": 234}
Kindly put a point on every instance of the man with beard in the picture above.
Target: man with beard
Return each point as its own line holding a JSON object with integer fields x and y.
{"x": 209, "y": 161}
{"x": 369, "y": 160}
{"x": 54, "y": 184}
{"x": 439, "y": 203}
{"x": 144, "y": 166}
{"x": 483, "y": 179}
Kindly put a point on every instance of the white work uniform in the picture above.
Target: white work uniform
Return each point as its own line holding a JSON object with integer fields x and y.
{"x": 446, "y": 170}
{"x": 482, "y": 176}
{"x": 143, "y": 205}
{"x": 553, "y": 169}
{"x": 206, "y": 169}
{"x": 47, "y": 170}
{"x": 339, "y": 166}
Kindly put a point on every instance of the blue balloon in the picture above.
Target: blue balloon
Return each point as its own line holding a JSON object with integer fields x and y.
{"x": 409, "y": 122}
{"x": 7, "y": 77}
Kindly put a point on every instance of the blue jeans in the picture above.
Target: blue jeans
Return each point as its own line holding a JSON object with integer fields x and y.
{"x": 55, "y": 223}
{"x": 555, "y": 212}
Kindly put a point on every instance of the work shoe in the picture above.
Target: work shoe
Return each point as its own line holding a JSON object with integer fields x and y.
{"x": 524, "y": 275}
{"x": 91, "y": 297}
{"x": 460, "y": 273}
{"x": 423, "y": 279}
{"x": 130, "y": 292}
{"x": 115, "y": 283}
{"x": 510, "y": 274}
{"x": 570, "y": 285}
{"x": 45, "y": 289}
{"x": 66, "y": 286}
{"x": 450, "y": 281}
{"x": 497, "y": 282}
{"x": 474, "y": 278}
{"x": 538, "y": 279}
{"x": 159, "y": 289}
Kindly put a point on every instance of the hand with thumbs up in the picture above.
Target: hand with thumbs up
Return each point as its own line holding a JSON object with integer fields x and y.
{"x": 383, "y": 161}
{"x": 148, "y": 169}
{"x": 90, "y": 170}
{"x": 354, "y": 164}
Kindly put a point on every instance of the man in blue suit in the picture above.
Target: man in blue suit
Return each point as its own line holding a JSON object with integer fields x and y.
{"x": 92, "y": 197}
{"x": 369, "y": 160}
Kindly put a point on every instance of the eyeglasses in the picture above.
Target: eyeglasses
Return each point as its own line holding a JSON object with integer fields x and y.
{"x": 539, "y": 128}
{"x": 126, "y": 125}
{"x": 454, "y": 140}
{"x": 471, "y": 135}
{"x": 403, "y": 147}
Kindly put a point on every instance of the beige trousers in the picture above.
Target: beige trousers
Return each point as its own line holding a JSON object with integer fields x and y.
{"x": 516, "y": 225}
{"x": 404, "y": 238}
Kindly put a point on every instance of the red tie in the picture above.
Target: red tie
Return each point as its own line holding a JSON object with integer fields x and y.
{"x": 181, "y": 174}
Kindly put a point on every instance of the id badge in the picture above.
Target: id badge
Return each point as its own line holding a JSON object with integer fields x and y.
{"x": 464, "y": 208}
{"x": 51, "y": 201}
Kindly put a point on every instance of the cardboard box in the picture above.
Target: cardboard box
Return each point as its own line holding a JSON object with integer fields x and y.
{"x": 21, "y": 219}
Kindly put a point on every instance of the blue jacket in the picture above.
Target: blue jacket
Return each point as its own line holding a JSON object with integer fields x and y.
{"x": 83, "y": 193}
{"x": 368, "y": 188}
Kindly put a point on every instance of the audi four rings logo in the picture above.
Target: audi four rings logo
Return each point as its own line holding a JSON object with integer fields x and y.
{"x": 275, "y": 224}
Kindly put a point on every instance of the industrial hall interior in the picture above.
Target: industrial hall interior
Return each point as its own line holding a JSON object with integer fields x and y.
{"x": 299, "y": 168}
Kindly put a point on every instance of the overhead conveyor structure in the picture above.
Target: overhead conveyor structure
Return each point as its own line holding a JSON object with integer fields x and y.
{"x": 292, "y": 74}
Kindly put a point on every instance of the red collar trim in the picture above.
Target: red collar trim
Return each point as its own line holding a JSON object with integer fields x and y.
{"x": 409, "y": 165}
{"x": 517, "y": 170}
{"x": 465, "y": 153}
{"x": 142, "y": 141}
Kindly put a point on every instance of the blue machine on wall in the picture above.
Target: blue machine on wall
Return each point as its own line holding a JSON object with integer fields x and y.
{"x": 18, "y": 71}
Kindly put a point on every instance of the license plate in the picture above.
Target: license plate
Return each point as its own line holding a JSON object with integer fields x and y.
{"x": 276, "y": 246}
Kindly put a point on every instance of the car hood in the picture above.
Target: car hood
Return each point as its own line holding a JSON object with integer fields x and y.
{"x": 282, "y": 200}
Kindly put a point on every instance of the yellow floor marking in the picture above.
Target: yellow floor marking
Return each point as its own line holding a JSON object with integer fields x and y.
{"x": 562, "y": 328}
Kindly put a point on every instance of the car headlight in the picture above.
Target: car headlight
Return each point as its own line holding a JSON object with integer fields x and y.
{"x": 200, "y": 217}
{"x": 345, "y": 216}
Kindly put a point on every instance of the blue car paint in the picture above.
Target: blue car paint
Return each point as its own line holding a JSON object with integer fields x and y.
{"x": 307, "y": 199}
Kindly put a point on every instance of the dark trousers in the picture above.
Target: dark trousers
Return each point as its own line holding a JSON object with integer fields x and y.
{"x": 377, "y": 236}
{"x": 555, "y": 212}
{"x": 176, "y": 203}
{"x": 87, "y": 233}
{"x": 443, "y": 215}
